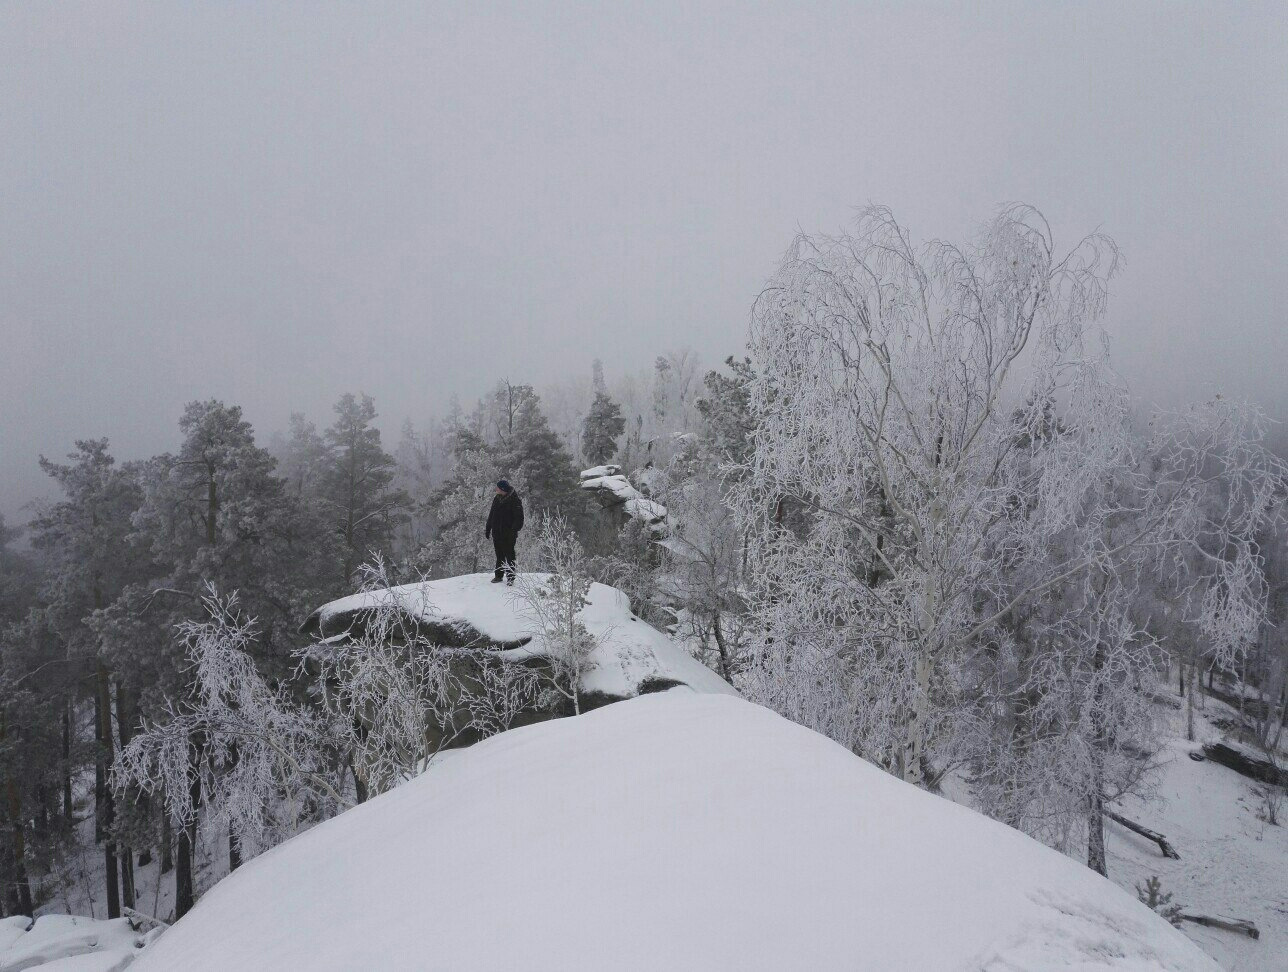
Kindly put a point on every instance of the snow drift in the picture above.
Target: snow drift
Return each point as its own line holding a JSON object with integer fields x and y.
{"x": 67, "y": 943}
{"x": 672, "y": 831}
{"x": 470, "y": 610}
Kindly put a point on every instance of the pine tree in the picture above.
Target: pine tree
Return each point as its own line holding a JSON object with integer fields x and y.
{"x": 86, "y": 538}
{"x": 215, "y": 513}
{"x": 603, "y": 425}
{"x": 725, "y": 408}
{"x": 460, "y": 508}
{"x": 359, "y": 484}
{"x": 525, "y": 447}
{"x": 1153, "y": 897}
{"x": 302, "y": 457}
{"x": 33, "y": 693}
{"x": 418, "y": 462}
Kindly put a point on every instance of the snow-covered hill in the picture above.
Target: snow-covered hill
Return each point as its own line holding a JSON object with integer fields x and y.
{"x": 672, "y": 831}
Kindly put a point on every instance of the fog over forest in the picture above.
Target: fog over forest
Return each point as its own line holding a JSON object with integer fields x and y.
{"x": 643, "y": 485}
{"x": 273, "y": 207}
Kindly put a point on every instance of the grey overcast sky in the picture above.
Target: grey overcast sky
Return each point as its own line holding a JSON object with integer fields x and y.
{"x": 274, "y": 203}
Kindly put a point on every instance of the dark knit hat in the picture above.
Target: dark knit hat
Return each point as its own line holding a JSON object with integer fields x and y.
{"x": 503, "y": 485}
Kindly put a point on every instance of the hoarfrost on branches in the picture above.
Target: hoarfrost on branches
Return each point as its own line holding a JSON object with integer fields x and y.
{"x": 554, "y": 605}
{"x": 396, "y": 697}
{"x": 387, "y": 698}
{"x": 237, "y": 746}
{"x": 948, "y": 512}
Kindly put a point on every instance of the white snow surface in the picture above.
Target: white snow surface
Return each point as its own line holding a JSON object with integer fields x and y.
{"x": 1232, "y": 861}
{"x": 12, "y": 929}
{"x": 629, "y": 651}
{"x": 597, "y": 472}
{"x": 672, "y": 831}
{"x": 59, "y": 937}
{"x": 112, "y": 960}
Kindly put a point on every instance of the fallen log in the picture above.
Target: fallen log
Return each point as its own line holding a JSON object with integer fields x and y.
{"x": 1254, "y": 767}
{"x": 1238, "y": 925}
{"x": 1162, "y": 842}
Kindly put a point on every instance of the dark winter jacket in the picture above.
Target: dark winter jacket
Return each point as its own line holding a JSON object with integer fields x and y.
{"x": 505, "y": 519}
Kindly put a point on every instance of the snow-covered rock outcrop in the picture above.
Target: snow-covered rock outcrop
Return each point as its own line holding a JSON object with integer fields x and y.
{"x": 613, "y": 490}
{"x": 672, "y": 831}
{"x": 630, "y": 656}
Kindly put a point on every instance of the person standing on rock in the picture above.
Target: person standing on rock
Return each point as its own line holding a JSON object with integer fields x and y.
{"x": 504, "y": 521}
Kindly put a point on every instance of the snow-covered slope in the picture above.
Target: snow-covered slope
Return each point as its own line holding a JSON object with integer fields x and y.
{"x": 672, "y": 831}
{"x": 469, "y": 607}
{"x": 1233, "y": 862}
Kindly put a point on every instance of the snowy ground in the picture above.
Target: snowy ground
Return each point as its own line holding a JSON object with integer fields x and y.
{"x": 1232, "y": 862}
{"x": 65, "y": 943}
{"x": 77, "y": 886}
{"x": 671, "y": 831}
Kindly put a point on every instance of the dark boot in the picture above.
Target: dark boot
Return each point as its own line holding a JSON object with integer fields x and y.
{"x": 496, "y": 578}
{"x": 509, "y": 579}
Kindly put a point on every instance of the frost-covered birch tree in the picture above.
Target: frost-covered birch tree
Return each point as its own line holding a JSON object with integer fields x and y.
{"x": 237, "y": 748}
{"x": 553, "y": 602}
{"x": 393, "y": 697}
{"x": 883, "y": 465}
{"x": 951, "y": 517}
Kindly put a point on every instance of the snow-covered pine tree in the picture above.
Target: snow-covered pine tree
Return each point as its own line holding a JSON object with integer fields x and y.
{"x": 527, "y": 448}
{"x": 214, "y": 513}
{"x": 725, "y": 407}
{"x": 459, "y": 508}
{"x": 85, "y": 537}
{"x": 358, "y": 485}
{"x": 420, "y": 459}
{"x": 302, "y": 457}
{"x": 603, "y": 425}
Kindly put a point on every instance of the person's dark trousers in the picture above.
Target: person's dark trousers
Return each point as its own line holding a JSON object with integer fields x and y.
{"x": 505, "y": 556}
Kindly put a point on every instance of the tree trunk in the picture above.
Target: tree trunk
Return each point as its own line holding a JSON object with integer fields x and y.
{"x": 1254, "y": 767}
{"x": 20, "y": 893}
{"x": 359, "y": 785}
{"x": 1163, "y": 844}
{"x": 183, "y": 872}
{"x": 1240, "y": 925}
{"x": 1189, "y": 702}
{"x": 724, "y": 650}
{"x": 1100, "y": 741}
{"x": 127, "y": 877}
{"x": 106, "y": 805}
{"x": 1096, "y": 835}
{"x": 68, "y": 804}
{"x": 234, "y": 850}
{"x": 124, "y": 724}
{"x": 234, "y": 845}
{"x": 167, "y": 842}
{"x": 184, "y": 896}
{"x": 914, "y": 748}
